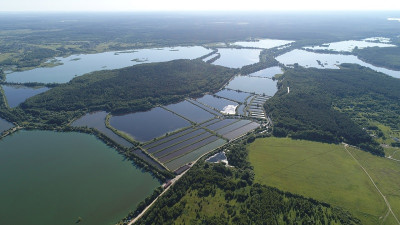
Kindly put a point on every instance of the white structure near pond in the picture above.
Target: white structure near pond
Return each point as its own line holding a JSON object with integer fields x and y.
{"x": 229, "y": 110}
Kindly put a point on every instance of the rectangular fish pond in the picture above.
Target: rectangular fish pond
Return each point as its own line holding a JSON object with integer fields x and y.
{"x": 145, "y": 126}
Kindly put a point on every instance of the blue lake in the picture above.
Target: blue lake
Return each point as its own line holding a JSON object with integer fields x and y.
{"x": 16, "y": 94}
{"x": 77, "y": 65}
{"x": 236, "y": 58}
{"x": 328, "y": 61}
{"x": 348, "y": 46}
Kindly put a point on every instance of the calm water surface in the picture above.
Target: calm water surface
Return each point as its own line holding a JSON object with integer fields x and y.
{"x": 16, "y": 94}
{"x": 236, "y": 58}
{"x": 144, "y": 126}
{"x": 254, "y": 85}
{"x": 329, "y": 61}
{"x": 77, "y": 65}
{"x": 190, "y": 111}
{"x": 348, "y": 46}
{"x": 97, "y": 121}
{"x": 52, "y": 178}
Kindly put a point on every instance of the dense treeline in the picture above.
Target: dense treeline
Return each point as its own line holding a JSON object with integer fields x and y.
{"x": 131, "y": 89}
{"x": 209, "y": 54}
{"x": 318, "y": 105}
{"x": 383, "y": 57}
{"x": 213, "y": 59}
{"x": 216, "y": 194}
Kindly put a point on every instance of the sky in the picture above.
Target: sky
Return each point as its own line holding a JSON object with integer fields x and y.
{"x": 199, "y": 5}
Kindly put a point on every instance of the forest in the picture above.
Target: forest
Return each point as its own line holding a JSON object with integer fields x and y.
{"x": 131, "y": 89}
{"x": 383, "y": 57}
{"x": 324, "y": 105}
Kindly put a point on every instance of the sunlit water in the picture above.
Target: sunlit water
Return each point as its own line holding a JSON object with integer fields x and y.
{"x": 15, "y": 94}
{"x": 348, "y": 46}
{"x": 77, "y": 65}
{"x": 236, "y": 58}
{"x": 328, "y": 61}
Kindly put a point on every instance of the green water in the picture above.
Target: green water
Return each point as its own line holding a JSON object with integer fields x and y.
{"x": 55, "y": 178}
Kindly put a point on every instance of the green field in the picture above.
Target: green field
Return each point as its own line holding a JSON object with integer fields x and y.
{"x": 328, "y": 173}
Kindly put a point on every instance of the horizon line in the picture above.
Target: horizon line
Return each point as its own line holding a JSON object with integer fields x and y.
{"x": 191, "y": 11}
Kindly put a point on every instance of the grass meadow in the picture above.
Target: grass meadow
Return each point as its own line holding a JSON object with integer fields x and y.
{"x": 328, "y": 173}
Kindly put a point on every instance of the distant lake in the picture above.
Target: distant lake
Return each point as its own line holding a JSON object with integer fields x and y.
{"x": 52, "y": 178}
{"x": 5, "y": 125}
{"x": 18, "y": 94}
{"x": 77, "y": 65}
{"x": 262, "y": 43}
{"x": 348, "y": 46}
{"x": 254, "y": 85}
{"x": 236, "y": 58}
{"x": 378, "y": 39}
{"x": 144, "y": 126}
{"x": 328, "y": 61}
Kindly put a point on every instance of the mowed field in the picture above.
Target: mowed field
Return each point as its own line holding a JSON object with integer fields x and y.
{"x": 328, "y": 173}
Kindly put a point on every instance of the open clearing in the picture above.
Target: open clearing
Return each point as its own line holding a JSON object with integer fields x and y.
{"x": 328, "y": 173}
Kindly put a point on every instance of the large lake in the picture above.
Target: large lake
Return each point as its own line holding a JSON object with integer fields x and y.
{"x": 77, "y": 65}
{"x": 52, "y": 178}
{"x": 236, "y": 58}
{"x": 348, "y": 46}
{"x": 327, "y": 61}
